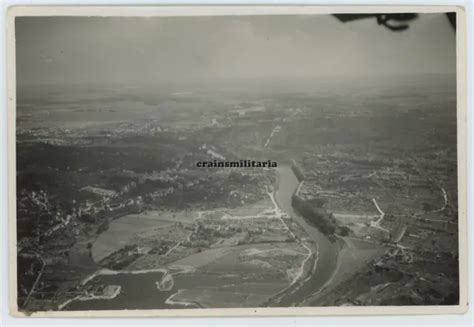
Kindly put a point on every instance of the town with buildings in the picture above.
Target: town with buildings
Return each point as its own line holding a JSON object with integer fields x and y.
{"x": 362, "y": 209}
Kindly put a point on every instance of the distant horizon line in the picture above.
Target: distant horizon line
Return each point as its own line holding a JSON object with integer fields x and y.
{"x": 235, "y": 80}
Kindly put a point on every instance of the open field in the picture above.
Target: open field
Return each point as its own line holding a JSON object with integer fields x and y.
{"x": 126, "y": 196}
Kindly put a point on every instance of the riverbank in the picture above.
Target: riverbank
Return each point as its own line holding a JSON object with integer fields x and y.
{"x": 326, "y": 253}
{"x": 110, "y": 292}
{"x": 246, "y": 271}
{"x": 223, "y": 274}
{"x": 354, "y": 254}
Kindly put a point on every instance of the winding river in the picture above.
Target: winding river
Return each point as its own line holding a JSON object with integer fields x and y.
{"x": 327, "y": 249}
{"x": 139, "y": 290}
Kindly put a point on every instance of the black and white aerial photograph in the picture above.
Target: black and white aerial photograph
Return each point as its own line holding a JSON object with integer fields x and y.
{"x": 236, "y": 161}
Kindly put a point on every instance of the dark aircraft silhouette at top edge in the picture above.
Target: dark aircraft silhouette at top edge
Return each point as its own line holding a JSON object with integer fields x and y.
{"x": 394, "y": 22}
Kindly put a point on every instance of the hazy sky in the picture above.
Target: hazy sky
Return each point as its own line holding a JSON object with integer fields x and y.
{"x": 135, "y": 50}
